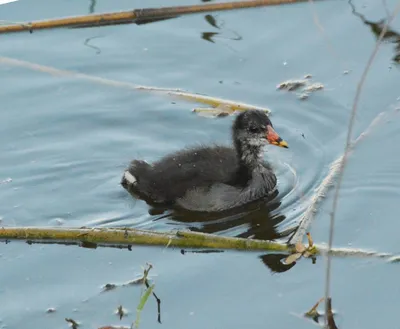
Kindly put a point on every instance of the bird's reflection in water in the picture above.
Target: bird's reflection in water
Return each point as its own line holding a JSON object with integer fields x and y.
{"x": 256, "y": 220}
{"x": 377, "y": 27}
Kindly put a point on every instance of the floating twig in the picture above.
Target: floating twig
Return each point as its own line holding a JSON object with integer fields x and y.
{"x": 221, "y": 105}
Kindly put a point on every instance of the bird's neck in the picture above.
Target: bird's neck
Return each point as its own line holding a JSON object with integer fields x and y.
{"x": 249, "y": 155}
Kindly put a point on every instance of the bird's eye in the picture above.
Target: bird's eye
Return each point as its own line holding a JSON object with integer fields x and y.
{"x": 253, "y": 129}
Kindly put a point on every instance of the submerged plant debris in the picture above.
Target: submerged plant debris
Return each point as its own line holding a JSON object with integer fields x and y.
{"x": 304, "y": 86}
{"x": 145, "y": 296}
{"x": 121, "y": 312}
{"x": 313, "y": 312}
{"x": 73, "y": 323}
{"x": 316, "y": 316}
{"x": 112, "y": 286}
{"x": 140, "y": 280}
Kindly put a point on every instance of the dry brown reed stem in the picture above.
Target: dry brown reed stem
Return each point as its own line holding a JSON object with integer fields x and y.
{"x": 208, "y": 100}
{"x": 128, "y": 237}
{"x": 128, "y": 17}
{"x": 335, "y": 167}
{"x": 348, "y": 149}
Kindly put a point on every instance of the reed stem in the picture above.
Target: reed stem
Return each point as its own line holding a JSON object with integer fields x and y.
{"x": 128, "y": 237}
{"x": 133, "y": 16}
{"x": 174, "y": 93}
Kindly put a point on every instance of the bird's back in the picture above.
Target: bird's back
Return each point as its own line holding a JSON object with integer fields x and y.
{"x": 172, "y": 176}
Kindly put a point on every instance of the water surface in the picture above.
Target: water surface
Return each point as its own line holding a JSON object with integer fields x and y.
{"x": 66, "y": 142}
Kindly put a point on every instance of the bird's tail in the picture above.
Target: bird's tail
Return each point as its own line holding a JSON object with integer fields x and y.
{"x": 132, "y": 175}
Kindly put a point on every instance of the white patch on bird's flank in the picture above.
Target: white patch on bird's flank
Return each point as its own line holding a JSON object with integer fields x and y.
{"x": 129, "y": 177}
{"x": 3, "y": 2}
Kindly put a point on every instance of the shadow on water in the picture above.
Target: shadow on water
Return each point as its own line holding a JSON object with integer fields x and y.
{"x": 92, "y": 6}
{"x": 92, "y": 9}
{"x": 257, "y": 220}
{"x": 86, "y": 43}
{"x": 209, "y": 36}
{"x": 377, "y": 27}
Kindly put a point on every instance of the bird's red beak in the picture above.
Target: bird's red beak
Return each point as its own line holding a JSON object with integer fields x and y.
{"x": 273, "y": 138}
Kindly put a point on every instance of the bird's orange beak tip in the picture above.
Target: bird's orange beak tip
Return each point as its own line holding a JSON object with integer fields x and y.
{"x": 274, "y": 139}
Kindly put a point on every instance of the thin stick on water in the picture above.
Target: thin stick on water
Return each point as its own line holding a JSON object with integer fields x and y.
{"x": 309, "y": 215}
{"x": 214, "y": 102}
{"x": 346, "y": 153}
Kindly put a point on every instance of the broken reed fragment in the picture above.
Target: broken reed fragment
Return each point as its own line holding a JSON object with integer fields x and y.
{"x": 303, "y": 85}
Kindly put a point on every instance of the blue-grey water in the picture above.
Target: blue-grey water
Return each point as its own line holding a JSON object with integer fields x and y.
{"x": 65, "y": 142}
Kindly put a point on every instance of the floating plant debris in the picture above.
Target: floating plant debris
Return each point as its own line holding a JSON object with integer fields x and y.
{"x": 316, "y": 316}
{"x": 73, "y": 323}
{"x": 314, "y": 87}
{"x": 302, "y": 251}
{"x": 304, "y": 86}
{"x": 292, "y": 85}
{"x": 121, "y": 312}
{"x": 109, "y": 286}
{"x": 313, "y": 312}
{"x": 5, "y": 181}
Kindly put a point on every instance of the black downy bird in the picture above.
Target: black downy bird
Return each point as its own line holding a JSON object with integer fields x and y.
{"x": 211, "y": 178}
